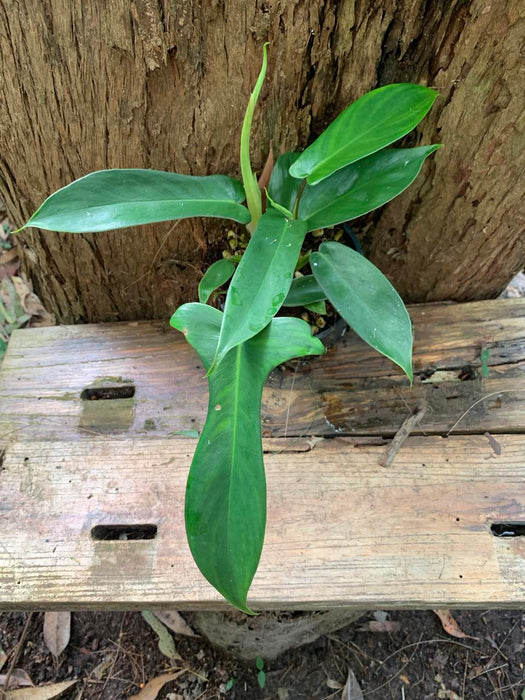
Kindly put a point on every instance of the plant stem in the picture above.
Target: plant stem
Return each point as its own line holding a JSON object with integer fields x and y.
{"x": 298, "y": 198}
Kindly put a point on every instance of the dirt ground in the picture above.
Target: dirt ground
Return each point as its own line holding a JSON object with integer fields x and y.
{"x": 113, "y": 655}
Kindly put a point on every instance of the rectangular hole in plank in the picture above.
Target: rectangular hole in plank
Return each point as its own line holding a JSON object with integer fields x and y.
{"x": 508, "y": 529}
{"x": 106, "y": 393}
{"x": 124, "y": 532}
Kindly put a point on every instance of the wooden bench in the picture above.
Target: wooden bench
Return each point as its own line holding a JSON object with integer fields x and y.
{"x": 97, "y": 432}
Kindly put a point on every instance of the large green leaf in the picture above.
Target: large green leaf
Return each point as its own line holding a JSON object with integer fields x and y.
{"x": 261, "y": 281}
{"x": 374, "y": 121}
{"x": 226, "y": 491}
{"x": 110, "y": 199}
{"x": 304, "y": 290}
{"x": 283, "y": 187}
{"x": 362, "y": 186}
{"x": 214, "y": 277}
{"x": 364, "y": 297}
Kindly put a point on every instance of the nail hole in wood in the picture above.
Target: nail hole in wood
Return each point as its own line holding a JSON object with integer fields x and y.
{"x": 508, "y": 529}
{"x": 106, "y": 393}
{"x": 124, "y": 532}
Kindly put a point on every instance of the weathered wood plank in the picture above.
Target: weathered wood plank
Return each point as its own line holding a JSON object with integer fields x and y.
{"x": 351, "y": 390}
{"x": 342, "y": 531}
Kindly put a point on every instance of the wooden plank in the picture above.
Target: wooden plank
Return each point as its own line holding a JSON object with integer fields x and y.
{"x": 350, "y": 391}
{"x": 342, "y": 531}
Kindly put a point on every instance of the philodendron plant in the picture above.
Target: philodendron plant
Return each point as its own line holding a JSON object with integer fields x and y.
{"x": 348, "y": 171}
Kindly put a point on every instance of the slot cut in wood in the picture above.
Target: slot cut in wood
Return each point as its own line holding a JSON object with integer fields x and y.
{"x": 124, "y": 532}
{"x": 508, "y": 529}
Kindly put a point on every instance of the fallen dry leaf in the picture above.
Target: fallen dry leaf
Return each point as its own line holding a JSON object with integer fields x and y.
{"x": 107, "y": 662}
{"x": 31, "y": 303}
{"x": 18, "y": 679}
{"x": 9, "y": 262}
{"x": 450, "y": 625}
{"x": 3, "y": 658}
{"x": 57, "y": 630}
{"x": 449, "y": 695}
{"x": 380, "y": 626}
{"x": 41, "y": 692}
{"x": 352, "y": 689}
{"x": 152, "y": 689}
{"x": 175, "y": 621}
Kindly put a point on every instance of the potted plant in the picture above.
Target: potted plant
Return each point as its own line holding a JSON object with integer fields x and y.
{"x": 347, "y": 171}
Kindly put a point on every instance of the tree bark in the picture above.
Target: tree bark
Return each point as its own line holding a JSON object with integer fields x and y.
{"x": 164, "y": 83}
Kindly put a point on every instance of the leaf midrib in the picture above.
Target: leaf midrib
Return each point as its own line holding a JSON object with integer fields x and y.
{"x": 149, "y": 200}
{"x": 235, "y": 424}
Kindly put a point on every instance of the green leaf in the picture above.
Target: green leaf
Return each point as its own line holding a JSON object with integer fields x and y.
{"x": 374, "y": 121}
{"x": 362, "y": 186}
{"x": 318, "y": 307}
{"x": 261, "y": 679}
{"x": 283, "y": 187}
{"x": 226, "y": 491}
{"x": 304, "y": 290}
{"x": 214, "y": 277}
{"x": 259, "y": 662}
{"x": 261, "y": 281}
{"x": 110, "y": 199}
{"x": 251, "y": 186}
{"x": 363, "y": 296}
{"x": 166, "y": 643}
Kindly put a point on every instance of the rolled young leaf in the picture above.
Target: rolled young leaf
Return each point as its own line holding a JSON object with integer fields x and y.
{"x": 110, "y": 199}
{"x": 303, "y": 291}
{"x": 251, "y": 186}
{"x": 226, "y": 490}
{"x": 361, "y": 187}
{"x": 363, "y": 296}
{"x": 374, "y": 121}
{"x": 214, "y": 277}
{"x": 261, "y": 280}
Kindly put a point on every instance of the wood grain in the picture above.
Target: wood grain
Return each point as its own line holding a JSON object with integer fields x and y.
{"x": 164, "y": 85}
{"x": 342, "y": 531}
{"x": 352, "y": 390}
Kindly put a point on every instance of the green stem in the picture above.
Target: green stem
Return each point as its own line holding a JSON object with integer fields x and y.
{"x": 298, "y": 199}
{"x": 251, "y": 186}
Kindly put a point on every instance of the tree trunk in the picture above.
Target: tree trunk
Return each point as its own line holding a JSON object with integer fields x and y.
{"x": 164, "y": 83}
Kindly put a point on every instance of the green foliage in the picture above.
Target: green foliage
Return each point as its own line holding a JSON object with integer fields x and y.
{"x": 261, "y": 675}
{"x": 364, "y": 297}
{"x": 361, "y": 187}
{"x": 261, "y": 281}
{"x": 214, "y": 277}
{"x": 369, "y": 124}
{"x": 226, "y": 492}
{"x": 110, "y": 199}
{"x": 303, "y": 291}
{"x": 346, "y": 172}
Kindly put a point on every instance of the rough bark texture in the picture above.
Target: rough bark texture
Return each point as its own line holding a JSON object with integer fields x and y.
{"x": 164, "y": 83}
